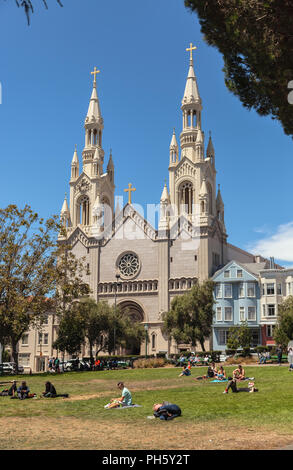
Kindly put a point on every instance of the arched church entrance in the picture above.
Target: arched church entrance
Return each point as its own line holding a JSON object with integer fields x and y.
{"x": 135, "y": 312}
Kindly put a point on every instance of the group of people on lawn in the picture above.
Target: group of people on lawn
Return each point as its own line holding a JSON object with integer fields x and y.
{"x": 23, "y": 391}
{"x": 220, "y": 375}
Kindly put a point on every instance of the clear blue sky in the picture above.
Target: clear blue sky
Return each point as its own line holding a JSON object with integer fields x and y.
{"x": 140, "y": 49}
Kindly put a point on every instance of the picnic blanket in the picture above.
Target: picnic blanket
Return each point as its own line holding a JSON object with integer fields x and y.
{"x": 122, "y": 407}
{"x": 217, "y": 380}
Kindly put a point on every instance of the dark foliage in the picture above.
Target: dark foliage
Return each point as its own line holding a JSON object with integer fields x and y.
{"x": 28, "y": 7}
{"x": 255, "y": 38}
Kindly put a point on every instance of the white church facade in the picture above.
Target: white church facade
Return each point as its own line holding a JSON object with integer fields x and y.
{"x": 131, "y": 263}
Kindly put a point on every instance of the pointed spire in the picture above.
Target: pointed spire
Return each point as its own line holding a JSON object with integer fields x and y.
{"x": 191, "y": 93}
{"x": 75, "y": 161}
{"x": 199, "y": 137}
{"x": 219, "y": 198}
{"x": 210, "y": 148}
{"x": 65, "y": 210}
{"x": 165, "y": 194}
{"x": 94, "y": 111}
{"x": 203, "y": 188}
{"x": 173, "y": 143}
{"x": 110, "y": 162}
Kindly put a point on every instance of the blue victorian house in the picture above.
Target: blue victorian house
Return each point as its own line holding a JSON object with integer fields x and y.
{"x": 237, "y": 296}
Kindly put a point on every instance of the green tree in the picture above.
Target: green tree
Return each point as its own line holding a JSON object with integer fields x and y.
{"x": 283, "y": 332}
{"x": 256, "y": 40}
{"x": 96, "y": 322}
{"x": 28, "y": 7}
{"x": 70, "y": 333}
{"x": 191, "y": 315}
{"x": 239, "y": 336}
{"x": 26, "y": 271}
{"x": 37, "y": 275}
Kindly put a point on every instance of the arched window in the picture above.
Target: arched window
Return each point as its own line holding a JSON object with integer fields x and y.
{"x": 83, "y": 211}
{"x": 186, "y": 197}
{"x": 95, "y": 135}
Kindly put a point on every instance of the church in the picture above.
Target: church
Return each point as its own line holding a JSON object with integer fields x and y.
{"x": 129, "y": 262}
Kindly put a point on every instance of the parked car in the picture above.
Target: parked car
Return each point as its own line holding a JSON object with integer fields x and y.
{"x": 76, "y": 364}
{"x": 9, "y": 368}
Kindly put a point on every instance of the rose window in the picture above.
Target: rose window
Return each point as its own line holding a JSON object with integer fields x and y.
{"x": 128, "y": 265}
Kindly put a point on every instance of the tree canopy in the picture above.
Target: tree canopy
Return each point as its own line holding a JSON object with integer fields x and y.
{"x": 255, "y": 38}
{"x": 283, "y": 332}
{"x": 37, "y": 275}
{"x": 191, "y": 315}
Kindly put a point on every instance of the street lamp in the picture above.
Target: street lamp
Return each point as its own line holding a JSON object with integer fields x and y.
{"x": 115, "y": 303}
{"x": 146, "y": 327}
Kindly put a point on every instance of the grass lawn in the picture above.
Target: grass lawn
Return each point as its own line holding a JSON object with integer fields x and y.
{"x": 210, "y": 419}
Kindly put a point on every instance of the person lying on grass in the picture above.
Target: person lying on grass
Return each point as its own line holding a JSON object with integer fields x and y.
{"x": 124, "y": 400}
{"x": 50, "y": 391}
{"x": 185, "y": 371}
{"x": 166, "y": 411}
{"x": 233, "y": 385}
{"x": 10, "y": 391}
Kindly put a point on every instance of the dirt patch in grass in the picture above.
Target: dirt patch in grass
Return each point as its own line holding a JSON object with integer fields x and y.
{"x": 135, "y": 387}
{"x": 149, "y": 434}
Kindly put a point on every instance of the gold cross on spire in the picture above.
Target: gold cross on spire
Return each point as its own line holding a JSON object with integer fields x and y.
{"x": 129, "y": 190}
{"x": 191, "y": 48}
{"x": 95, "y": 72}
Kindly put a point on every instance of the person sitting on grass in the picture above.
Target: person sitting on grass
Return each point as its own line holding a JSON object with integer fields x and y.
{"x": 186, "y": 371}
{"x": 23, "y": 392}
{"x": 239, "y": 373}
{"x": 233, "y": 385}
{"x": 209, "y": 375}
{"x": 124, "y": 400}
{"x": 9, "y": 392}
{"x": 50, "y": 391}
{"x": 166, "y": 411}
{"x": 221, "y": 374}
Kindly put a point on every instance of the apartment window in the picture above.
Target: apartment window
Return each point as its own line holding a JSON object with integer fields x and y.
{"x": 45, "y": 320}
{"x": 239, "y": 273}
{"x": 24, "y": 339}
{"x": 40, "y": 338}
{"x": 228, "y": 313}
{"x": 271, "y": 310}
{"x": 241, "y": 313}
{"x": 263, "y": 289}
{"x": 251, "y": 289}
{"x": 219, "y": 313}
{"x": 46, "y": 336}
{"x": 279, "y": 289}
{"x": 251, "y": 314}
{"x": 223, "y": 337}
{"x": 24, "y": 359}
{"x": 228, "y": 291}
{"x": 270, "y": 330}
{"x": 218, "y": 291}
{"x": 227, "y": 273}
{"x": 271, "y": 289}
{"x": 241, "y": 290}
